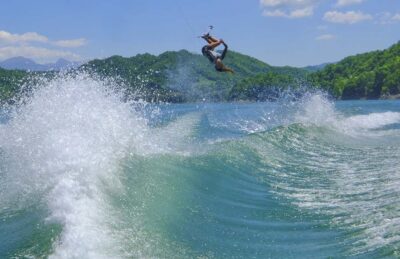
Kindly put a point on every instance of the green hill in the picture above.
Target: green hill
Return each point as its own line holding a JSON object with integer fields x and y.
{"x": 187, "y": 77}
{"x": 184, "y": 76}
{"x": 177, "y": 77}
{"x": 370, "y": 75}
{"x": 10, "y": 82}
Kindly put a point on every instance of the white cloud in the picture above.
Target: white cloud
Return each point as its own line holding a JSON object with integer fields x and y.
{"x": 13, "y": 45}
{"x": 275, "y": 3}
{"x": 288, "y": 8}
{"x": 12, "y": 38}
{"x": 70, "y": 43}
{"x": 275, "y": 13}
{"x": 25, "y": 37}
{"x": 387, "y": 18}
{"x": 39, "y": 53}
{"x": 341, "y": 3}
{"x": 396, "y": 17}
{"x": 350, "y": 17}
{"x": 325, "y": 37}
{"x": 298, "y": 13}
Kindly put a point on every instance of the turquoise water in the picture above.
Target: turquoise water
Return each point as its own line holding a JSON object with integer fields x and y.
{"x": 84, "y": 175}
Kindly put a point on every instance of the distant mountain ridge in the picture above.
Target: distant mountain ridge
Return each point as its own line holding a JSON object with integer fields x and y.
{"x": 22, "y": 63}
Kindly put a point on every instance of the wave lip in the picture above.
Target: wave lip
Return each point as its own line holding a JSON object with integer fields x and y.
{"x": 319, "y": 111}
{"x": 372, "y": 121}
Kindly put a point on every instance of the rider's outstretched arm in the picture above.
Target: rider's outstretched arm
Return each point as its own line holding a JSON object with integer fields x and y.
{"x": 224, "y": 51}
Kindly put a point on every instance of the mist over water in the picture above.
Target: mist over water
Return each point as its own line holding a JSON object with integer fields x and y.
{"x": 84, "y": 174}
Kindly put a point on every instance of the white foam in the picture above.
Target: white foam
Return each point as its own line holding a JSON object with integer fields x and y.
{"x": 372, "y": 120}
{"x": 64, "y": 146}
{"x": 318, "y": 110}
{"x": 357, "y": 186}
{"x": 65, "y": 143}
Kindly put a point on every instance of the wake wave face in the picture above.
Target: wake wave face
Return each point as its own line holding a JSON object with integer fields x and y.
{"x": 344, "y": 167}
{"x": 64, "y": 144}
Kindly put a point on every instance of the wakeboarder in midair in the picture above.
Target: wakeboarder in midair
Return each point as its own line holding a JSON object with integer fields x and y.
{"x": 215, "y": 57}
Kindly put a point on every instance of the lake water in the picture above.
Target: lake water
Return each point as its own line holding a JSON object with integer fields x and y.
{"x": 84, "y": 175}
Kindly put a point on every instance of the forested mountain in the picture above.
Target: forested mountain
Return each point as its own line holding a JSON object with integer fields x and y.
{"x": 178, "y": 76}
{"x": 316, "y": 67}
{"x": 10, "y": 81}
{"x": 184, "y": 76}
{"x": 370, "y": 75}
{"x": 187, "y": 77}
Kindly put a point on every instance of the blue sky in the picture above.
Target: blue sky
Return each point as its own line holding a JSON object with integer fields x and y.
{"x": 279, "y": 32}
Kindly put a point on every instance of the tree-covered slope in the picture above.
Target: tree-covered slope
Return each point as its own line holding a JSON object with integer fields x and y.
{"x": 265, "y": 86}
{"x": 370, "y": 75}
{"x": 174, "y": 76}
{"x": 10, "y": 82}
{"x": 184, "y": 76}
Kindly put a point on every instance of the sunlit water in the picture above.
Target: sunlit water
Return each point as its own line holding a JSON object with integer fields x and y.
{"x": 85, "y": 175}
